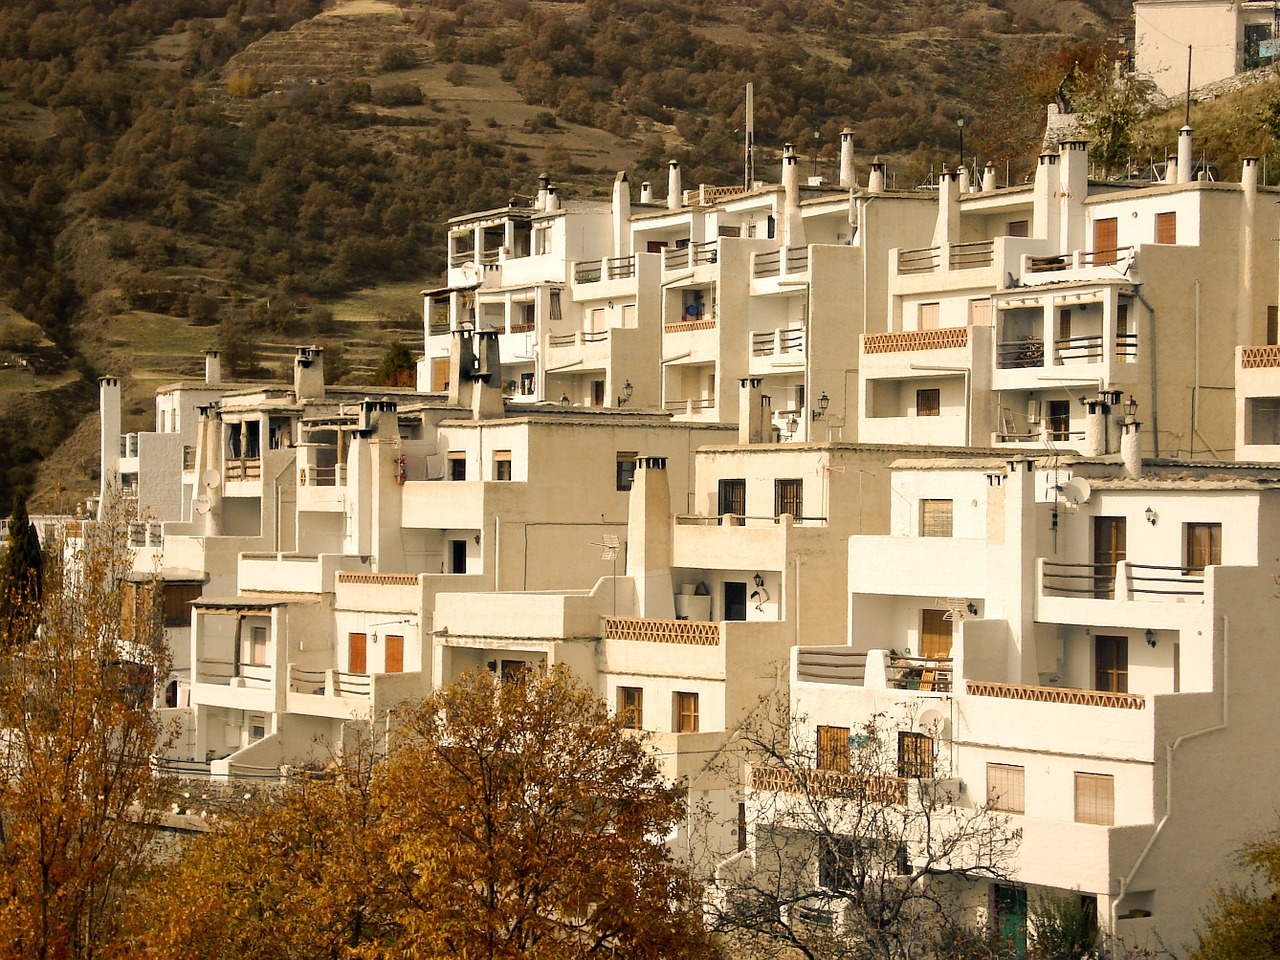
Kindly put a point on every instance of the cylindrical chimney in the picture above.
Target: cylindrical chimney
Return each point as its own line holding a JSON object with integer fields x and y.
{"x": 988, "y": 177}
{"x": 1186, "y": 161}
{"x": 553, "y": 201}
{"x": 646, "y": 192}
{"x": 544, "y": 181}
{"x": 875, "y": 181}
{"x": 963, "y": 172}
{"x": 1131, "y": 449}
{"x": 674, "y": 199}
{"x": 846, "y": 159}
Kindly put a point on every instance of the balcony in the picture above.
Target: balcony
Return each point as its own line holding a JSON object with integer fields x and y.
{"x": 578, "y": 338}
{"x": 940, "y": 566}
{"x": 706, "y": 321}
{"x": 1126, "y": 595}
{"x": 906, "y": 341}
{"x": 777, "y": 351}
{"x": 957, "y": 256}
{"x": 610, "y": 268}
{"x": 829, "y": 783}
{"x": 1031, "y": 269}
{"x": 693, "y": 255}
{"x": 296, "y": 572}
{"x": 341, "y": 694}
{"x": 733, "y": 541}
{"x": 1033, "y": 694}
{"x": 243, "y": 468}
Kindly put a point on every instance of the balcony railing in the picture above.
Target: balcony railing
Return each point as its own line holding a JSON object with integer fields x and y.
{"x": 692, "y": 403}
{"x": 1083, "y": 698}
{"x": 331, "y": 476}
{"x": 922, "y": 260}
{"x": 797, "y": 259}
{"x": 706, "y": 321}
{"x": 1013, "y": 354}
{"x": 770, "y": 343}
{"x": 458, "y": 259}
{"x": 333, "y": 683}
{"x": 829, "y": 783}
{"x": 143, "y": 533}
{"x": 920, "y": 673}
{"x": 1127, "y": 580}
{"x": 1078, "y": 350}
{"x": 692, "y": 632}
{"x": 244, "y": 469}
{"x": 524, "y": 326}
{"x": 1066, "y": 261}
{"x": 380, "y": 579}
{"x": 188, "y": 458}
{"x": 578, "y": 338}
{"x": 946, "y": 338}
{"x": 1254, "y": 358}
{"x": 970, "y": 256}
{"x": 766, "y": 264}
{"x": 694, "y": 255}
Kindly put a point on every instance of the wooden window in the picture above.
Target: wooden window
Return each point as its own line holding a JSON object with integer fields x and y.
{"x": 1064, "y": 323}
{"x": 1018, "y": 228}
{"x": 595, "y": 320}
{"x": 457, "y": 465}
{"x": 626, "y": 469}
{"x": 733, "y": 497}
{"x": 1273, "y": 325}
{"x": 833, "y": 748}
{"x": 1202, "y": 548}
{"x": 686, "y": 712}
{"x": 1105, "y": 234}
{"x": 788, "y": 497}
{"x": 257, "y": 647}
{"x": 1126, "y": 343}
{"x": 930, "y": 316}
{"x": 928, "y": 402}
{"x": 935, "y": 518}
{"x": 1058, "y": 419}
{"x": 502, "y": 464}
{"x": 178, "y": 598}
{"x": 631, "y": 707}
{"x": 395, "y": 655}
{"x": 742, "y": 826}
{"x": 1095, "y": 798}
{"x": 597, "y": 393}
{"x": 1111, "y": 662}
{"x": 513, "y": 670}
{"x": 1166, "y": 227}
{"x": 628, "y": 315}
{"x": 1006, "y": 787}
{"x": 915, "y": 755}
{"x": 357, "y": 650}
{"x": 980, "y": 312}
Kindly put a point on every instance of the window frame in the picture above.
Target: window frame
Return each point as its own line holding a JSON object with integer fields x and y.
{"x": 456, "y": 461}
{"x": 625, "y": 470}
{"x": 1013, "y": 778}
{"x": 630, "y": 707}
{"x": 788, "y": 492}
{"x": 1095, "y": 798}
{"x": 929, "y": 402}
{"x": 1212, "y": 550}
{"x": 501, "y": 465}
{"x": 685, "y": 709}
{"x": 935, "y": 525}
{"x": 915, "y": 755}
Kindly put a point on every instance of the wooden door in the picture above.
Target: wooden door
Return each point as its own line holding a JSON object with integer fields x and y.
{"x": 395, "y": 655}
{"x": 935, "y": 634}
{"x": 1108, "y": 550}
{"x": 356, "y": 658}
{"x": 1111, "y": 663}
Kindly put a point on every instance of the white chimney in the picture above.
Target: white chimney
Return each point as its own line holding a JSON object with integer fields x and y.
{"x": 553, "y": 201}
{"x": 212, "y": 368}
{"x": 308, "y": 374}
{"x": 946, "y": 228}
{"x": 962, "y": 180}
{"x": 846, "y": 159}
{"x": 109, "y": 438}
{"x": 1044, "y": 203}
{"x": 1131, "y": 449}
{"x": 621, "y": 215}
{"x": 1186, "y": 161}
{"x": 1073, "y": 185}
{"x": 646, "y": 192}
{"x": 674, "y": 199}
{"x": 792, "y": 225}
{"x": 988, "y": 177}
{"x": 543, "y": 182}
{"x": 1170, "y": 169}
{"x": 875, "y": 181}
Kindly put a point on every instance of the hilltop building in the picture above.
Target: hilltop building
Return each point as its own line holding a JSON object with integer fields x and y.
{"x": 1224, "y": 38}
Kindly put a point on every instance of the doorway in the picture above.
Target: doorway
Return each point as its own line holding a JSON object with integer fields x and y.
{"x": 735, "y": 600}
{"x": 1108, "y": 550}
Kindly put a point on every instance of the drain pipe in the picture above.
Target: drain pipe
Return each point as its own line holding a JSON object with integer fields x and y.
{"x": 1151, "y": 346}
{"x": 1170, "y": 750}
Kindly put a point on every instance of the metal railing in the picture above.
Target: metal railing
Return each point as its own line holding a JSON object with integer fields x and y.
{"x": 769, "y": 343}
{"x": 1146, "y": 579}
{"x": 1097, "y": 580}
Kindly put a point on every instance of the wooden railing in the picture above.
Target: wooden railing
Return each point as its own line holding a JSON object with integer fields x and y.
{"x": 1083, "y": 698}
{"x": 769, "y": 343}
{"x": 1152, "y": 580}
{"x": 837, "y": 664}
{"x": 692, "y": 632}
{"x": 1078, "y": 350}
{"x": 244, "y": 469}
{"x": 766, "y": 264}
{"x": 901, "y": 341}
{"x": 692, "y": 403}
{"x": 797, "y": 259}
{"x": 829, "y": 783}
{"x": 694, "y": 255}
{"x": 919, "y": 261}
{"x": 970, "y": 256}
{"x": 1102, "y": 258}
{"x": 578, "y": 338}
{"x": 1254, "y": 358}
{"x": 1012, "y": 354}
{"x": 1097, "y": 580}
{"x": 920, "y": 673}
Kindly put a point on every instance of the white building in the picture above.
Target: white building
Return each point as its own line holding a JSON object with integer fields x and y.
{"x": 1223, "y": 37}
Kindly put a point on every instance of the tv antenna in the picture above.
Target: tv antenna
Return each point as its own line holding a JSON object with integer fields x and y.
{"x": 610, "y": 548}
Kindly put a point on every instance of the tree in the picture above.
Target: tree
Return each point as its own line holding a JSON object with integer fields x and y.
{"x": 1244, "y": 923}
{"x": 1113, "y": 100}
{"x": 854, "y": 855}
{"x": 20, "y": 577}
{"x": 77, "y": 795}
{"x": 509, "y": 818}
{"x": 397, "y": 368}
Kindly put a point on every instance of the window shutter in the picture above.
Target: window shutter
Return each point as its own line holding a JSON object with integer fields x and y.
{"x": 356, "y": 661}
{"x": 1095, "y": 798}
{"x": 1006, "y": 787}
{"x": 1166, "y": 228}
{"x": 935, "y": 518}
{"x": 833, "y": 748}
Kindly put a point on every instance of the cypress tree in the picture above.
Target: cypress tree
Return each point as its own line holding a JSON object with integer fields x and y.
{"x": 20, "y": 577}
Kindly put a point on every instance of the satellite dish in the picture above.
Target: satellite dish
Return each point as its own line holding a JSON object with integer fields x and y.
{"x": 201, "y": 505}
{"x": 469, "y": 271}
{"x": 1076, "y": 490}
{"x": 211, "y": 478}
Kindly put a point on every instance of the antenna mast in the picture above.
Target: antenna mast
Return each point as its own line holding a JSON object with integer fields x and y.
{"x": 749, "y": 145}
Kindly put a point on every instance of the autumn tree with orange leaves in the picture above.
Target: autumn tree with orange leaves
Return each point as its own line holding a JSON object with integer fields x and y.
{"x": 77, "y": 795}
{"x": 509, "y": 818}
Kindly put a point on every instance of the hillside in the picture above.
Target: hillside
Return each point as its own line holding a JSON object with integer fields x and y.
{"x": 255, "y": 173}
